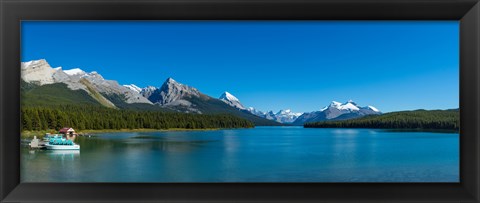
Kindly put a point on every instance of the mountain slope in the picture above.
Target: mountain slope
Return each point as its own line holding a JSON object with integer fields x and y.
{"x": 54, "y": 94}
{"x": 96, "y": 95}
{"x": 215, "y": 106}
{"x": 183, "y": 98}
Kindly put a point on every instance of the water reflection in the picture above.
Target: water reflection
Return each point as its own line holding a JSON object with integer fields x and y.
{"x": 273, "y": 154}
{"x": 345, "y": 131}
{"x": 63, "y": 154}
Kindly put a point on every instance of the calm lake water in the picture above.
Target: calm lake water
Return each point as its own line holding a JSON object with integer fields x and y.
{"x": 262, "y": 154}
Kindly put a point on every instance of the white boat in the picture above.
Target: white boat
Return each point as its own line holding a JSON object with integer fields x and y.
{"x": 60, "y": 143}
{"x": 63, "y": 147}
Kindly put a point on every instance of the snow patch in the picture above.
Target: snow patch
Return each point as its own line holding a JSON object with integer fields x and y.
{"x": 75, "y": 71}
{"x": 349, "y": 106}
{"x": 229, "y": 97}
{"x": 133, "y": 87}
{"x": 373, "y": 108}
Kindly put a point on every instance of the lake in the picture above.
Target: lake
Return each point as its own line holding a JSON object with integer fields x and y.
{"x": 261, "y": 154}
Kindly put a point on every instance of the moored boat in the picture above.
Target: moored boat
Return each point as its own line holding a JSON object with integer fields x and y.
{"x": 60, "y": 143}
{"x": 63, "y": 147}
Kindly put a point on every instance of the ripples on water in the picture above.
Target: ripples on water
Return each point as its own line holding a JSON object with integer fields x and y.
{"x": 263, "y": 154}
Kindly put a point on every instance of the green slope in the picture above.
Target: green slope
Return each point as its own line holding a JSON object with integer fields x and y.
{"x": 418, "y": 119}
{"x": 60, "y": 94}
{"x": 215, "y": 106}
{"x": 53, "y": 94}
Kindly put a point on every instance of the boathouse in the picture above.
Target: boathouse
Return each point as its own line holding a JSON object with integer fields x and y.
{"x": 67, "y": 131}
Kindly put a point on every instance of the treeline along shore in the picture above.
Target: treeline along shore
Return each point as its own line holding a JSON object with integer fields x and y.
{"x": 99, "y": 118}
{"x": 418, "y": 119}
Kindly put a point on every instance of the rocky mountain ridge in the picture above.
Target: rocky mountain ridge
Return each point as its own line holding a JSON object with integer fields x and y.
{"x": 177, "y": 96}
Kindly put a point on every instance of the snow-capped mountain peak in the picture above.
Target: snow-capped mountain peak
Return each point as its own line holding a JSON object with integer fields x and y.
{"x": 75, "y": 71}
{"x": 335, "y": 103}
{"x": 228, "y": 96}
{"x": 286, "y": 111}
{"x": 282, "y": 116}
{"x": 350, "y": 105}
{"x": 231, "y": 100}
{"x": 337, "y": 111}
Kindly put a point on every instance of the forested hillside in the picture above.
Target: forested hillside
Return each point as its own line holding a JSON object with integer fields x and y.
{"x": 419, "y": 119}
{"x": 99, "y": 117}
{"x": 52, "y": 95}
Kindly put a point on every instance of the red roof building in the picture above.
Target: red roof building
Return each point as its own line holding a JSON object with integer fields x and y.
{"x": 67, "y": 130}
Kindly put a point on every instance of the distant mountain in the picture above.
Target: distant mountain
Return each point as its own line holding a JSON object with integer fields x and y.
{"x": 231, "y": 100}
{"x": 286, "y": 116}
{"x": 282, "y": 116}
{"x": 337, "y": 111}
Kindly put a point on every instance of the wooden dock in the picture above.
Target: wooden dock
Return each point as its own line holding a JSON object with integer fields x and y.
{"x": 36, "y": 143}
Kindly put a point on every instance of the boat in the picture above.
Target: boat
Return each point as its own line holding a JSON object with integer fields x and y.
{"x": 60, "y": 143}
{"x": 48, "y": 136}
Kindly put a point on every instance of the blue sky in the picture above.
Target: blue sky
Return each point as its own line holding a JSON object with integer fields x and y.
{"x": 270, "y": 65}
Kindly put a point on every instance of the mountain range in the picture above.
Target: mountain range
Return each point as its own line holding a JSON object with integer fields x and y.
{"x": 334, "y": 111}
{"x": 45, "y": 82}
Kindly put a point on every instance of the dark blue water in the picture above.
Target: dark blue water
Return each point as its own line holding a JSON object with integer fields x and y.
{"x": 263, "y": 154}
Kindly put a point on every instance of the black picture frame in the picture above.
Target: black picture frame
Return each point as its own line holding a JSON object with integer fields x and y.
{"x": 466, "y": 11}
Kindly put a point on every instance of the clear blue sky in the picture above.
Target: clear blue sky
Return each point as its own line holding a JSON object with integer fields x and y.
{"x": 270, "y": 65}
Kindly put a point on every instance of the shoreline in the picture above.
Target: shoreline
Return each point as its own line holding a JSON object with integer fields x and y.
{"x": 144, "y": 130}
{"x": 41, "y": 133}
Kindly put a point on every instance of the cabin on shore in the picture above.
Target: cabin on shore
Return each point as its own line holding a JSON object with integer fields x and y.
{"x": 69, "y": 133}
